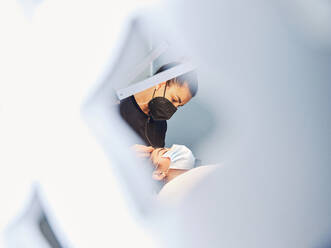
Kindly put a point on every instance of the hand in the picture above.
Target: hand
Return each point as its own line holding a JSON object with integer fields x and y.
{"x": 143, "y": 151}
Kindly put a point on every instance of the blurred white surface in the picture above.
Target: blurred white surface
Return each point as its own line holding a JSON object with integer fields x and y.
{"x": 48, "y": 65}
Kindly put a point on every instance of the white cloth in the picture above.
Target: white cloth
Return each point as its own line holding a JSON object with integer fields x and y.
{"x": 175, "y": 191}
{"x": 181, "y": 157}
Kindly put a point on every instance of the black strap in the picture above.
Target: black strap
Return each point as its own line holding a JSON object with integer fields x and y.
{"x": 153, "y": 93}
{"x": 165, "y": 89}
{"x": 146, "y": 134}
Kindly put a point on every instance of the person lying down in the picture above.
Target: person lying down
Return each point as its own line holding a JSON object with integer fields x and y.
{"x": 175, "y": 166}
{"x": 171, "y": 162}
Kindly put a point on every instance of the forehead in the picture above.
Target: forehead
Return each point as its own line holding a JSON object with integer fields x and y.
{"x": 183, "y": 91}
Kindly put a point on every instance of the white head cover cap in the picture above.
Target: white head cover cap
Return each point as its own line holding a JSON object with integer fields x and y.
{"x": 181, "y": 157}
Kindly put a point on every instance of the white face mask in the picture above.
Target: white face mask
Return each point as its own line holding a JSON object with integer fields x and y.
{"x": 181, "y": 157}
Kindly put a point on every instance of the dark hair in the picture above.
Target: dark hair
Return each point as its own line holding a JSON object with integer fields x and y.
{"x": 190, "y": 78}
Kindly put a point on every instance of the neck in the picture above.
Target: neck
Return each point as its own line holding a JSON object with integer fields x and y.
{"x": 172, "y": 173}
{"x": 143, "y": 98}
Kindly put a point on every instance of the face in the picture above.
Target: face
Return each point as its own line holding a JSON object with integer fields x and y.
{"x": 156, "y": 155}
{"x": 161, "y": 164}
{"x": 177, "y": 94}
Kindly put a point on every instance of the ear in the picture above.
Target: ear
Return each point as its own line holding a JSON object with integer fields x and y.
{"x": 160, "y": 85}
{"x": 158, "y": 175}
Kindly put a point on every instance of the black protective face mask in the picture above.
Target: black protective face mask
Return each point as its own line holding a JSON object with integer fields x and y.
{"x": 160, "y": 108}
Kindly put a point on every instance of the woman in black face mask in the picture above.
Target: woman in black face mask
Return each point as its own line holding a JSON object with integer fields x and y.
{"x": 160, "y": 108}
{"x": 146, "y": 112}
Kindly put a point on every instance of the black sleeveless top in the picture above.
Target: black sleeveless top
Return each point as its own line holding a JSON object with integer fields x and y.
{"x": 142, "y": 124}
